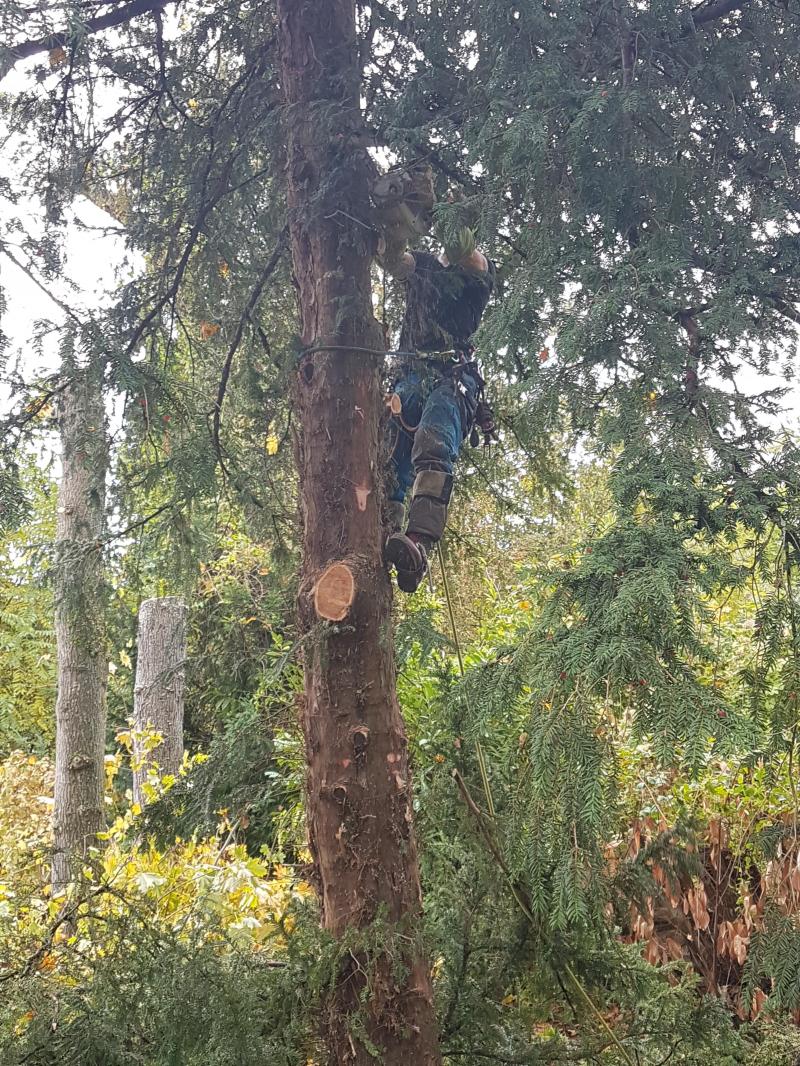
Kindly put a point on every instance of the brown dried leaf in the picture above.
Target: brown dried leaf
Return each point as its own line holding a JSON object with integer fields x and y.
{"x": 740, "y": 948}
{"x": 208, "y": 330}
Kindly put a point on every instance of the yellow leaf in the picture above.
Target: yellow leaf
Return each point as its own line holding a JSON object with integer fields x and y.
{"x": 272, "y": 444}
{"x": 524, "y": 605}
{"x": 23, "y": 1022}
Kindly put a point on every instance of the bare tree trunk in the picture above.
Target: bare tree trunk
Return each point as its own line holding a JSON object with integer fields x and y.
{"x": 358, "y": 781}
{"x": 158, "y": 692}
{"x": 78, "y": 813}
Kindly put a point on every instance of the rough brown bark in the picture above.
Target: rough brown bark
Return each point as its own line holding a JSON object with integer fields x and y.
{"x": 158, "y": 690}
{"x": 78, "y": 813}
{"x": 358, "y": 782}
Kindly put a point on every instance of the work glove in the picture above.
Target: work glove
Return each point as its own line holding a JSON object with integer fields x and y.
{"x": 459, "y": 245}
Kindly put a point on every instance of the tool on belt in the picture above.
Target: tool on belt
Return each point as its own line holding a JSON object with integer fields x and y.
{"x": 476, "y": 417}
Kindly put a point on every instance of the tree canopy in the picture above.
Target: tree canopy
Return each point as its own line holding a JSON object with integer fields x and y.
{"x": 605, "y": 789}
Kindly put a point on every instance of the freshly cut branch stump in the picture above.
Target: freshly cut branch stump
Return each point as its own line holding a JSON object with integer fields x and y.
{"x": 334, "y": 592}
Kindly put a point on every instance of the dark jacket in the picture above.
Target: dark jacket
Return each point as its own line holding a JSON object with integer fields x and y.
{"x": 444, "y": 305}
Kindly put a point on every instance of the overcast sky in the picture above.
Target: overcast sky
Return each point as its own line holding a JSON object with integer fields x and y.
{"x": 95, "y": 263}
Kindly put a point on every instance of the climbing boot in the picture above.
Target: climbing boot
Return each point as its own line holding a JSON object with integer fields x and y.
{"x": 409, "y": 558}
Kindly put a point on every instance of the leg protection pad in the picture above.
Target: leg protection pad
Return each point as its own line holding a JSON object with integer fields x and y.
{"x": 433, "y": 484}
{"x": 427, "y": 515}
{"x": 427, "y": 519}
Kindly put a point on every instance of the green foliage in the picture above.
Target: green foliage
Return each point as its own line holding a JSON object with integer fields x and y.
{"x": 774, "y": 960}
{"x": 241, "y": 647}
{"x": 162, "y": 999}
{"x": 251, "y": 774}
{"x": 634, "y": 171}
{"x": 27, "y": 652}
{"x": 779, "y": 1046}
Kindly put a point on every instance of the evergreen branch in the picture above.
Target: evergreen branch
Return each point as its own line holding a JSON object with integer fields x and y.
{"x": 121, "y": 15}
{"x": 207, "y": 206}
{"x": 523, "y": 901}
{"x": 518, "y": 891}
{"x": 250, "y": 307}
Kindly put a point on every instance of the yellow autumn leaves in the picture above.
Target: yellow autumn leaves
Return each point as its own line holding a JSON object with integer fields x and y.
{"x": 211, "y": 887}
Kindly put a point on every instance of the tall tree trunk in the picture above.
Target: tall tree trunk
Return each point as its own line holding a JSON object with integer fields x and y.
{"x": 158, "y": 692}
{"x": 78, "y": 813}
{"x": 358, "y": 781}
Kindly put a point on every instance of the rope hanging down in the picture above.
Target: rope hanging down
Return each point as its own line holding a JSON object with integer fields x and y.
{"x": 519, "y": 893}
{"x": 478, "y": 746}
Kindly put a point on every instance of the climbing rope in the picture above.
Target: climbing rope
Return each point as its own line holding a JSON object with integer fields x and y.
{"x": 457, "y": 644}
{"x": 518, "y": 894}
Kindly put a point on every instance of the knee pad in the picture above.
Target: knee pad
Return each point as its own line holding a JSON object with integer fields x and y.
{"x": 427, "y": 515}
{"x": 433, "y": 485}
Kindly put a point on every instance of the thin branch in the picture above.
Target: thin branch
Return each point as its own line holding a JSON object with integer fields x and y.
{"x": 118, "y": 17}
{"x": 207, "y": 206}
{"x": 250, "y": 307}
{"x": 139, "y": 523}
{"x": 784, "y": 308}
{"x": 32, "y": 410}
{"x": 32, "y": 277}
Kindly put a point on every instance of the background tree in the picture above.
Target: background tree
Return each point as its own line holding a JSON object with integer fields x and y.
{"x": 79, "y": 808}
{"x": 158, "y": 691}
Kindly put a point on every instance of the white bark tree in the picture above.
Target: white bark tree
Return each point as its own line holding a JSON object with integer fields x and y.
{"x": 78, "y": 813}
{"x": 158, "y": 692}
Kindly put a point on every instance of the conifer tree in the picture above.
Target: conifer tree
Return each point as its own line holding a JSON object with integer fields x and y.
{"x": 359, "y": 786}
{"x": 633, "y": 169}
{"x": 80, "y": 624}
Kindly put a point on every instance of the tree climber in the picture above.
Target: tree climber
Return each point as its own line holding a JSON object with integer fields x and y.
{"x": 438, "y": 392}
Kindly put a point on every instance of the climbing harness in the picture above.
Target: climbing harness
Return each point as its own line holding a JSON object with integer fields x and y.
{"x": 477, "y": 420}
{"x": 461, "y": 361}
